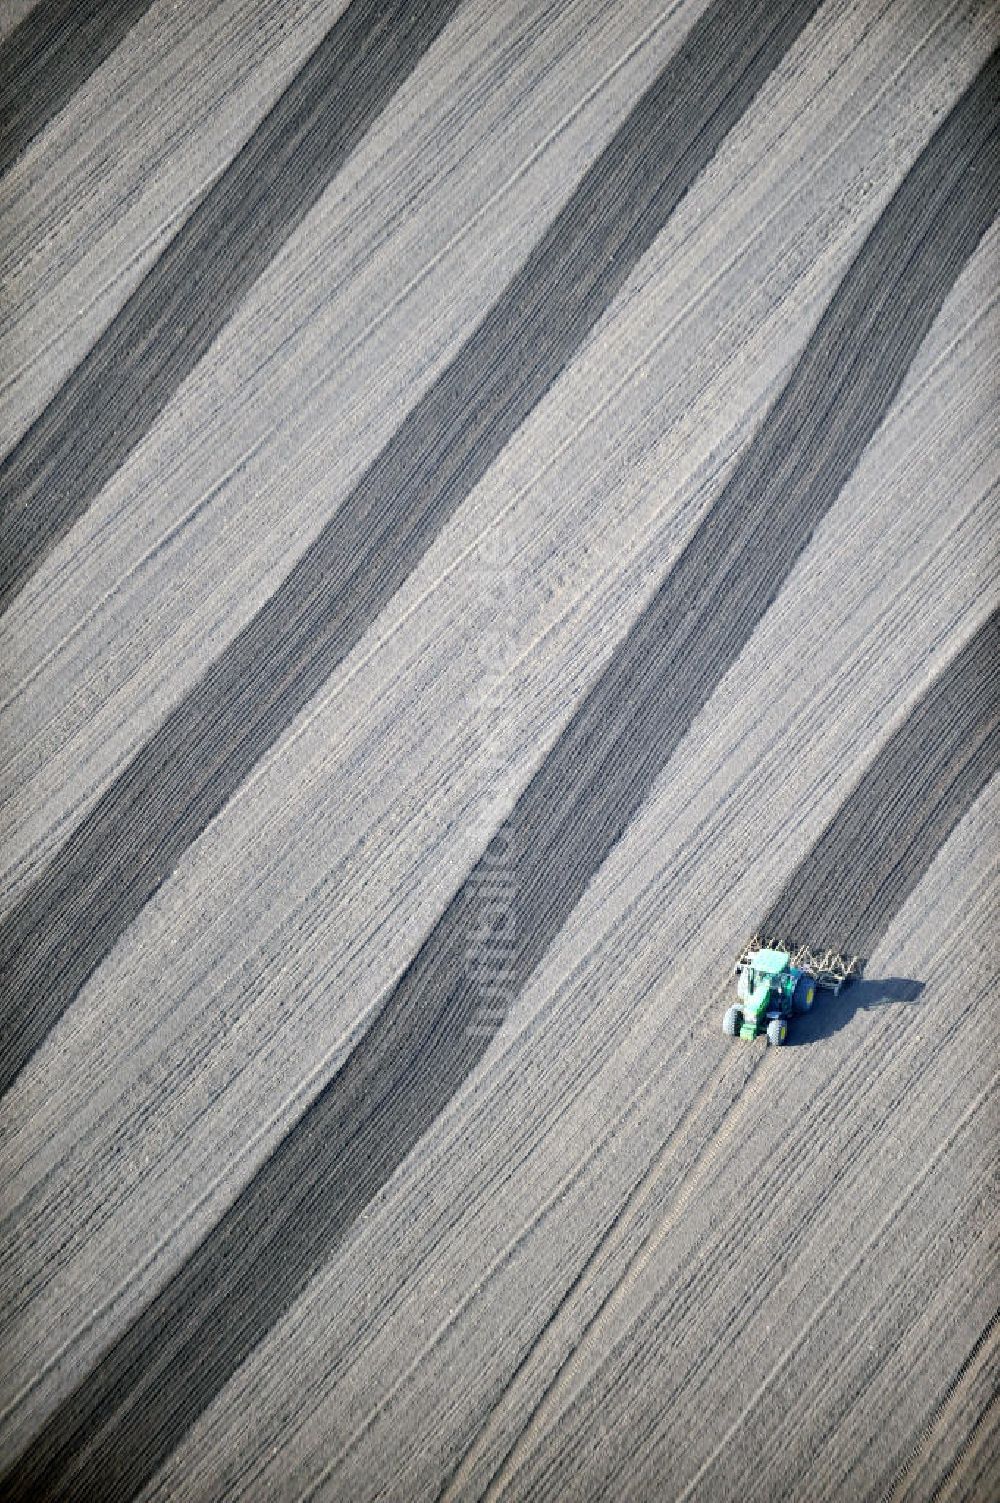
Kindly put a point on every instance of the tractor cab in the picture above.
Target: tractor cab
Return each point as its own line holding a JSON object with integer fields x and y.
{"x": 767, "y": 984}
{"x": 763, "y": 974}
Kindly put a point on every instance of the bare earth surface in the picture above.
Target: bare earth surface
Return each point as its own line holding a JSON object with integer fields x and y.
{"x": 497, "y": 502}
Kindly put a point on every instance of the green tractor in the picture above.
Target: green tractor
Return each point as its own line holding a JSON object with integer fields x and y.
{"x": 776, "y": 981}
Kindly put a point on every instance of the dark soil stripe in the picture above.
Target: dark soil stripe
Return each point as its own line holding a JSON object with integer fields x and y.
{"x": 882, "y": 840}
{"x": 434, "y": 1025}
{"x": 119, "y": 389}
{"x": 48, "y": 56}
{"x": 141, "y": 827}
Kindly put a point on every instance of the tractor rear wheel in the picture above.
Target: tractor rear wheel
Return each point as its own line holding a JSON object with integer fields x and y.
{"x": 777, "y": 1031}
{"x": 805, "y": 994}
{"x": 732, "y": 1022}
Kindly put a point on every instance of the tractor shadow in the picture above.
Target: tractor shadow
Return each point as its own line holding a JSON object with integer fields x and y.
{"x": 829, "y": 1013}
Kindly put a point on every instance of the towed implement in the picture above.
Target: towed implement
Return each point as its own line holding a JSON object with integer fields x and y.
{"x": 776, "y": 981}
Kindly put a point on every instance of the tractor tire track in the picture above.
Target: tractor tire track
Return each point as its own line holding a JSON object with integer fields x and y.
{"x": 883, "y": 1230}
{"x": 982, "y": 1356}
{"x": 132, "y": 839}
{"x": 856, "y": 1087}
{"x": 610, "y": 1246}
{"x": 678, "y": 1136}
{"x": 975, "y": 1472}
{"x": 48, "y": 56}
{"x": 127, "y": 1415}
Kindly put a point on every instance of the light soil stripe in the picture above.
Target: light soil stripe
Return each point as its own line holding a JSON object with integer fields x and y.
{"x": 46, "y": 58}
{"x": 127, "y": 1415}
{"x": 117, "y": 392}
{"x": 134, "y": 836}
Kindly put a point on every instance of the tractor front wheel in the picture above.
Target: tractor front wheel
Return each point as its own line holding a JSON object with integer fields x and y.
{"x": 732, "y": 1022}
{"x": 777, "y": 1031}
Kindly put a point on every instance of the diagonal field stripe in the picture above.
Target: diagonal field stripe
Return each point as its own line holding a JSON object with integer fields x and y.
{"x": 48, "y": 56}
{"x": 875, "y": 850}
{"x": 113, "y": 398}
{"x": 151, "y": 1385}
{"x": 138, "y": 831}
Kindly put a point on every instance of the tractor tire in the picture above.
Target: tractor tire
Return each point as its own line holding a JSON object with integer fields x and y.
{"x": 732, "y": 1022}
{"x": 805, "y": 994}
{"x": 777, "y": 1031}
